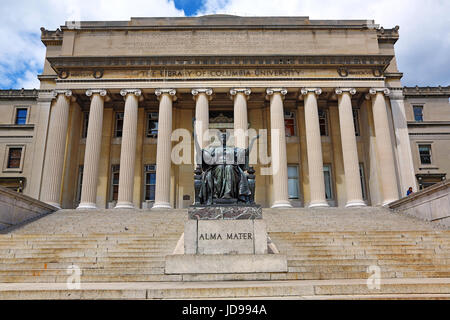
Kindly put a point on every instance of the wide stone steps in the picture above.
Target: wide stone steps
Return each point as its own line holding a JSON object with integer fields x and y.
{"x": 122, "y": 255}
{"x": 436, "y": 288}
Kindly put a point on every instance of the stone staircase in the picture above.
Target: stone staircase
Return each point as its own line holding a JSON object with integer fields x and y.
{"x": 122, "y": 253}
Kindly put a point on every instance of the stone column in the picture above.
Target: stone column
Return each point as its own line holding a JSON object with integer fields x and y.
{"x": 314, "y": 148}
{"x": 405, "y": 161}
{"x": 240, "y": 96}
{"x": 56, "y": 146}
{"x": 201, "y": 97}
{"x": 92, "y": 151}
{"x": 128, "y": 149}
{"x": 164, "y": 148}
{"x": 384, "y": 145}
{"x": 278, "y": 148}
{"x": 349, "y": 148}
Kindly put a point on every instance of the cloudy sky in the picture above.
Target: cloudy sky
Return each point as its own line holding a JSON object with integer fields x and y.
{"x": 423, "y": 51}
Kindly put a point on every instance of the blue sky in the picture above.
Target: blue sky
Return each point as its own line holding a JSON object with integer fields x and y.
{"x": 190, "y": 7}
{"x": 423, "y": 51}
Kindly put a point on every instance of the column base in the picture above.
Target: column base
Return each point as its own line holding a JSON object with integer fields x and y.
{"x": 87, "y": 205}
{"x": 161, "y": 205}
{"x": 281, "y": 204}
{"x": 124, "y": 205}
{"x": 355, "y": 203}
{"x": 318, "y": 205}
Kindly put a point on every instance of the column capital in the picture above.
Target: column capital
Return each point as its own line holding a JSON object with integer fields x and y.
{"x": 340, "y": 91}
{"x": 125, "y": 92}
{"x": 396, "y": 94}
{"x": 101, "y": 92}
{"x": 374, "y": 91}
{"x": 208, "y": 91}
{"x": 305, "y": 91}
{"x": 272, "y": 91}
{"x": 67, "y": 93}
{"x": 171, "y": 92}
{"x": 245, "y": 91}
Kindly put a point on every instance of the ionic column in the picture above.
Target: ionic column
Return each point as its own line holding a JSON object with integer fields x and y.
{"x": 92, "y": 152}
{"x": 164, "y": 148}
{"x": 240, "y": 96}
{"x": 404, "y": 154}
{"x": 384, "y": 145}
{"x": 349, "y": 149}
{"x": 128, "y": 149}
{"x": 56, "y": 146}
{"x": 314, "y": 148}
{"x": 201, "y": 97}
{"x": 278, "y": 148}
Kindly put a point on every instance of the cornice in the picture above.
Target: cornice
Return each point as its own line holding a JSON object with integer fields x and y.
{"x": 19, "y": 94}
{"x": 388, "y": 35}
{"x": 426, "y": 91}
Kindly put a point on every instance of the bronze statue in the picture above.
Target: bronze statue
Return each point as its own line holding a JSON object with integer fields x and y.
{"x": 223, "y": 175}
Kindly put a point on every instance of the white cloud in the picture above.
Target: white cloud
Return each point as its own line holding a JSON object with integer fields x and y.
{"x": 21, "y": 51}
{"x": 423, "y": 51}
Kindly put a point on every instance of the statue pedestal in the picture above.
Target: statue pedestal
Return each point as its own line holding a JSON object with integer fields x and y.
{"x": 224, "y": 239}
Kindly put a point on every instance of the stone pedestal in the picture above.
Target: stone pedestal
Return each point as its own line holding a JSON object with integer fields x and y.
{"x": 225, "y": 239}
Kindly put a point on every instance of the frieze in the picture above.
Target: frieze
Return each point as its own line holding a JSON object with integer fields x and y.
{"x": 224, "y": 73}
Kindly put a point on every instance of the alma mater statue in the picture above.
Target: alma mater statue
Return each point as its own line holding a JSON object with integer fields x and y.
{"x": 223, "y": 175}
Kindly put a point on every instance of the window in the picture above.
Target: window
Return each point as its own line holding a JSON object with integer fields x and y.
{"x": 418, "y": 113}
{"x": 293, "y": 182}
{"x": 425, "y": 153}
{"x": 115, "y": 169}
{"x": 356, "y": 122}
{"x": 21, "y": 115}
{"x": 289, "y": 124}
{"x": 14, "y": 158}
{"x": 328, "y": 185}
{"x": 150, "y": 182}
{"x": 152, "y": 125}
{"x": 323, "y": 122}
{"x": 362, "y": 177}
{"x": 85, "y": 125}
{"x": 80, "y": 182}
{"x": 118, "y": 128}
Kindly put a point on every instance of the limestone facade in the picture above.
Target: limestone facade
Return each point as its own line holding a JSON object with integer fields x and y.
{"x": 116, "y": 94}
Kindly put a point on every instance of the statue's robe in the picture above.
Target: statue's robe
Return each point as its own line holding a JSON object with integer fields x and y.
{"x": 223, "y": 174}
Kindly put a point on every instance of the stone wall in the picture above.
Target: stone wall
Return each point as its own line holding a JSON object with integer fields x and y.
{"x": 431, "y": 204}
{"x": 16, "y": 208}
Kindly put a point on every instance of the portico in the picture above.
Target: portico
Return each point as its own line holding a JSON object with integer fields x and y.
{"x": 122, "y": 110}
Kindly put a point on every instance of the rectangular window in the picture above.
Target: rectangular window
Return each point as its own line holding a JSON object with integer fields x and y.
{"x": 356, "y": 122}
{"x": 152, "y": 125}
{"x": 362, "y": 177}
{"x": 418, "y": 113}
{"x": 14, "y": 158}
{"x": 323, "y": 122}
{"x": 80, "y": 182}
{"x": 425, "y": 153}
{"x": 118, "y": 127}
{"x": 85, "y": 125}
{"x": 150, "y": 182}
{"x": 328, "y": 182}
{"x": 293, "y": 182}
{"x": 115, "y": 169}
{"x": 21, "y": 115}
{"x": 289, "y": 124}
